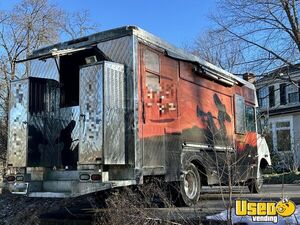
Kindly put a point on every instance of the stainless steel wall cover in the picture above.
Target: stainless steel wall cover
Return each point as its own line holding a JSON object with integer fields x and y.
{"x": 91, "y": 114}
{"x": 102, "y": 106}
{"x": 119, "y": 50}
{"x": 114, "y": 114}
{"x": 124, "y": 50}
{"x": 45, "y": 68}
{"x": 18, "y": 115}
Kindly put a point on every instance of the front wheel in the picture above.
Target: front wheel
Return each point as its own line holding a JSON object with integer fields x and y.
{"x": 255, "y": 185}
{"x": 190, "y": 185}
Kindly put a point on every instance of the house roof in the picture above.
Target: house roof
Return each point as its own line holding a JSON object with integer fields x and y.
{"x": 280, "y": 73}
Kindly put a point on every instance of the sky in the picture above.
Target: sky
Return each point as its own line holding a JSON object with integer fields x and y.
{"x": 178, "y": 21}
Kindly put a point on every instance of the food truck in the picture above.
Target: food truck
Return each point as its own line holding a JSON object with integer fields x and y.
{"x": 113, "y": 108}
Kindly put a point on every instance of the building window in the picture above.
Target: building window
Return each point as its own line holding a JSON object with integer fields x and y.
{"x": 263, "y": 97}
{"x": 293, "y": 97}
{"x": 281, "y": 132}
{"x": 282, "y": 94}
{"x": 269, "y": 137}
{"x": 271, "y": 96}
{"x": 293, "y": 94}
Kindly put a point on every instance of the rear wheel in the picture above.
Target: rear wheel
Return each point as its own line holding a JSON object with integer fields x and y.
{"x": 255, "y": 185}
{"x": 190, "y": 185}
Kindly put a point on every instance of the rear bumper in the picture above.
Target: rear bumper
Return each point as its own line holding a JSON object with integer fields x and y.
{"x": 19, "y": 188}
{"x": 63, "y": 189}
{"x": 56, "y": 189}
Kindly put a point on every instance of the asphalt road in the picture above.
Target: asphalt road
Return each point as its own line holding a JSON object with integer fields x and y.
{"x": 268, "y": 192}
{"x": 215, "y": 199}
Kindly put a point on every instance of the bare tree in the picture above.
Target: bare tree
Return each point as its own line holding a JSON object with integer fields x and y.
{"x": 78, "y": 24}
{"x": 219, "y": 49}
{"x": 265, "y": 33}
{"x": 269, "y": 30}
{"x": 29, "y": 25}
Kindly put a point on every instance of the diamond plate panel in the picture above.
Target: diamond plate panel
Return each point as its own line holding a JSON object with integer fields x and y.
{"x": 91, "y": 109}
{"x": 124, "y": 50}
{"x": 17, "y": 134}
{"x": 44, "y": 69}
{"x": 114, "y": 114}
{"x": 119, "y": 50}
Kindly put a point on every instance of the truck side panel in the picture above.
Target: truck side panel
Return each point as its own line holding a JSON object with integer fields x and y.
{"x": 179, "y": 106}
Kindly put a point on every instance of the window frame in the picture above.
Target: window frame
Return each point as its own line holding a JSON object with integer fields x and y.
{"x": 272, "y": 96}
{"x": 297, "y": 97}
{"x": 263, "y": 100}
{"x": 152, "y": 74}
{"x": 273, "y": 125}
{"x": 283, "y": 93}
{"x": 253, "y": 126}
{"x": 147, "y": 69}
{"x": 239, "y": 114}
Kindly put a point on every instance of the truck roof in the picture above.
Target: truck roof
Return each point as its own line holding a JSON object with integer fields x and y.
{"x": 115, "y": 33}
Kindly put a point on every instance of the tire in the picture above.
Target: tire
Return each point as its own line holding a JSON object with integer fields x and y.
{"x": 255, "y": 185}
{"x": 190, "y": 185}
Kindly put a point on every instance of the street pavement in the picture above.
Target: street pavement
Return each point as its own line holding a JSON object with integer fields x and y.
{"x": 216, "y": 199}
{"x": 269, "y": 192}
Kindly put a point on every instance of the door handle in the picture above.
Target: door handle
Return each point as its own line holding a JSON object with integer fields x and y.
{"x": 143, "y": 113}
{"x": 82, "y": 122}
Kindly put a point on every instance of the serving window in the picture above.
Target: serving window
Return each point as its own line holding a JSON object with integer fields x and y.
{"x": 159, "y": 86}
{"x": 151, "y": 61}
{"x": 152, "y": 82}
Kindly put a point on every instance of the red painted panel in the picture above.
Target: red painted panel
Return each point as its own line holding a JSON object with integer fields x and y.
{"x": 188, "y": 103}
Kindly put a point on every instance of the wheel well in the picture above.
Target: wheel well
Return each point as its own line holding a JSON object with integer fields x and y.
{"x": 263, "y": 163}
{"x": 202, "y": 170}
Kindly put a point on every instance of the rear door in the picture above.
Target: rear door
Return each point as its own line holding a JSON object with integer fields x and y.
{"x": 91, "y": 114}
{"x": 18, "y": 120}
{"x": 102, "y": 113}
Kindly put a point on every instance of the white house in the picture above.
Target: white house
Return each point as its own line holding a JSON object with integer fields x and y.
{"x": 279, "y": 107}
